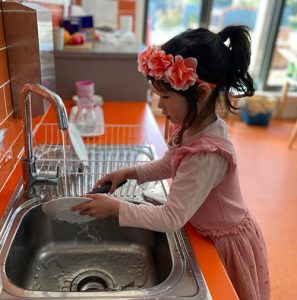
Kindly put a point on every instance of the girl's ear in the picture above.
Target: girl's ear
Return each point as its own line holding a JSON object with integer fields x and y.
{"x": 203, "y": 90}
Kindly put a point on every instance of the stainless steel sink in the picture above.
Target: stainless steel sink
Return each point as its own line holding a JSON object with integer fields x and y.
{"x": 50, "y": 255}
{"x": 41, "y": 257}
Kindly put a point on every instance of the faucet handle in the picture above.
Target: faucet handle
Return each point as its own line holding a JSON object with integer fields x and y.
{"x": 32, "y": 176}
{"x": 51, "y": 174}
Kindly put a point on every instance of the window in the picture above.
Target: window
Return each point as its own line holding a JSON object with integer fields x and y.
{"x": 272, "y": 23}
{"x": 236, "y": 12}
{"x": 168, "y": 18}
{"x": 284, "y": 60}
{"x": 228, "y": 12}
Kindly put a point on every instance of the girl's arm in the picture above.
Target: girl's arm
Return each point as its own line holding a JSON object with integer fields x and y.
{"x": 102, "y": 206}
{"x": 195, "y": 178}
{"x": 117, "y": 177}
{"x": 155, "y": 170}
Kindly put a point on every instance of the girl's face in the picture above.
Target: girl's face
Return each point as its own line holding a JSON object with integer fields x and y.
{"x": 174, "y": 106}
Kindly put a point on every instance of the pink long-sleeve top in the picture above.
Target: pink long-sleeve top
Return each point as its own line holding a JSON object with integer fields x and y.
{"x": 204, "y": 189}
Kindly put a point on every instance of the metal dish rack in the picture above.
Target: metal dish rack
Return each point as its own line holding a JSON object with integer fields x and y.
{"x": 120, "y": 146}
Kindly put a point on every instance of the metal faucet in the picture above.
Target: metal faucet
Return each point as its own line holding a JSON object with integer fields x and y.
{"x": 30, "y": 174}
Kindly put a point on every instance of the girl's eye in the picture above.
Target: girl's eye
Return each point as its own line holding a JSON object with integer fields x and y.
{"x": 164, "y": 97}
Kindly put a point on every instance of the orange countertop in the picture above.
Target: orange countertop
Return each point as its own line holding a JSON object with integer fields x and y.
{"x": 139, "y": 113}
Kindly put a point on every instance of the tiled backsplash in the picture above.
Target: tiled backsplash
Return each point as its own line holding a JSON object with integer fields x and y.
{"x": 11, "y": 129}
{"x": 11, "y": 138}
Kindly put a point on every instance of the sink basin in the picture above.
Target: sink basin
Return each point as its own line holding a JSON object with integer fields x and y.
{"x": 51, "y": 255}
{"x": 42, "y": 257}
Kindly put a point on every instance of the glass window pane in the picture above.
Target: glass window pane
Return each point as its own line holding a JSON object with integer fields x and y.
{"x": 284, "y": 60}
{"x": 234, "y": 12}
{"x": 168, "y": 18}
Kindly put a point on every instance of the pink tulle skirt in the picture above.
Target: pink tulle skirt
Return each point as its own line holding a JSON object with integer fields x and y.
{"x": 244, "y": 255}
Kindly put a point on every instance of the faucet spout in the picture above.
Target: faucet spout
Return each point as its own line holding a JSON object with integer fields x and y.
{"x": 30, "y": 174}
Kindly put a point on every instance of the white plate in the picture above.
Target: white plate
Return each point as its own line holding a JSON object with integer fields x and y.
{"x": 60, "y": 209}
{"x": 98, "y": 100}
{"x": 78, "y": 144}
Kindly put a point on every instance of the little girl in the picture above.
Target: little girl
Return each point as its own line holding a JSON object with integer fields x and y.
{"x": 191, "y": 73}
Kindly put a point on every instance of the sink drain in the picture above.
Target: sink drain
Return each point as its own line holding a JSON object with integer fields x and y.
{"x": 91, "y": 281}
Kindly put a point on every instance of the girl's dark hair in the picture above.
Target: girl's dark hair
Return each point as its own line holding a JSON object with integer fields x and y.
{"x": 223, "y": 59}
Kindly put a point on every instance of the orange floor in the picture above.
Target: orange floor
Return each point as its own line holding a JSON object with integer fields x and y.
{"x": 268, "y": 176}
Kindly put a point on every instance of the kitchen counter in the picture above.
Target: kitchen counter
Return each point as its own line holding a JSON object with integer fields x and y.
{"x": 139, "y": 113}
{"x": 101, "y": 49}
{"x": 113, "y": 69}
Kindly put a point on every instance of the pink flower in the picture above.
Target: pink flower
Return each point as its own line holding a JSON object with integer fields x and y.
{"x": 178, "y": 72}
{"x": 158, "y": 63}
{"x": 142, "y": 60}
{"x": 182, "y": 74}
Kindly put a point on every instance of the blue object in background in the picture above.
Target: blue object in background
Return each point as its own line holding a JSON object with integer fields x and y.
{"x": 70, "y": 26}
{"x": 76, "y": 23}
{"x": 85, "y": 21}
{"x": 261, "y": 119}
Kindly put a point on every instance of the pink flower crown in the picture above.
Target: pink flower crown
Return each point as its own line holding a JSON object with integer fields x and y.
{"x": 179, "y": 72}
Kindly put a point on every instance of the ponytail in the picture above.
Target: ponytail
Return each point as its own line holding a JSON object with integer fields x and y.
{"x": 238, "y": 77}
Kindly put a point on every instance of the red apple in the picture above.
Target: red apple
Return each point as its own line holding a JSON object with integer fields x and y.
{"x": 76, "y": 39}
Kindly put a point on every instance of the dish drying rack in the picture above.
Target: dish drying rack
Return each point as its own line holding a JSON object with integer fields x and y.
{"x": 120, "y": 146}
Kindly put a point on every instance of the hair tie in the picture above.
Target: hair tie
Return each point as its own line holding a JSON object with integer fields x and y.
{"x": 224, "y": 37}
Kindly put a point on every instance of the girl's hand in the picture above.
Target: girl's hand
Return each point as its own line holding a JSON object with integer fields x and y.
{"x": 116, "y": 178}
{"x": 100, "y": 206}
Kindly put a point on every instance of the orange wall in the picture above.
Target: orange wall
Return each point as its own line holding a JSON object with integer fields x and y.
{"x": 11, "y": 129}
{"x": 12, "y": 142}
